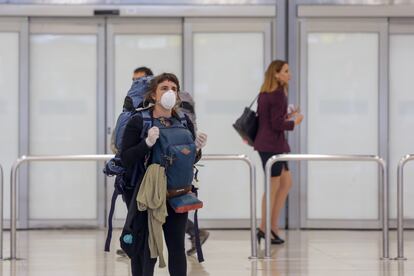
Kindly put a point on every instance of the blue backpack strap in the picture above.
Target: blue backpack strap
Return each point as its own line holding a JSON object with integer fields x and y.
{"x": 146, "y": 121}
{"x": 200, "y": 256}
{"x": 110, "y": 216}
{"x": 117, "y": 191}
{"x": 199, "y": 250}
{"x": 114, "y": 167}
{"x": 182, "y": 118}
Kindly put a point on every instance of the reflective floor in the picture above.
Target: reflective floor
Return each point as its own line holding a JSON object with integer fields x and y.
{"x": 80, "y": 252}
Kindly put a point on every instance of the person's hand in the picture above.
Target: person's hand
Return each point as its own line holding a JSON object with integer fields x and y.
{"x": 298, "y": 119}
{"x": 153, "y": 135}
{"x": 201, "y": 140}
{"x": 292, "y": 111}
{"x": 291, "y": 116}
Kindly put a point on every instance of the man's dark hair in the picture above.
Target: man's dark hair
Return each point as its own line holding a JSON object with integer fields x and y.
{"x": 145, "y": 70}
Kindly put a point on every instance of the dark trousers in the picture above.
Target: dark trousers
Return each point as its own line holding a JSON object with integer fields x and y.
{"x": 174, "y": 234}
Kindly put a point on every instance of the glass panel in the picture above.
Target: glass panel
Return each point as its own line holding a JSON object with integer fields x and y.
{"x": 342, "y": 118}
{"x": 63, "y": 111}
{"x": 226, "y": 80}
{"x": 161, "y": 53}
{"x": 401, "y": 117}
{"x": 9, "y": 116}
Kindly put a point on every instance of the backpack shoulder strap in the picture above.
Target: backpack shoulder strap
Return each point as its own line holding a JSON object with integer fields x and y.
{"x": 146, "y": 122}
{"x": 146, "y": 119}
{"x": 110, "y": 216}
{"x": 200, "y": 255}
{"x": 181, "y": 116}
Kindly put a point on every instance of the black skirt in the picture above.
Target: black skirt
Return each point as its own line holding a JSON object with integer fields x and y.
{"x": 277, "y": 167}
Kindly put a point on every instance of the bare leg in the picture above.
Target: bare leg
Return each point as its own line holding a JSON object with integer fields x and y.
{"x": 274, "y": 187}
{"x": 281, "y": 195}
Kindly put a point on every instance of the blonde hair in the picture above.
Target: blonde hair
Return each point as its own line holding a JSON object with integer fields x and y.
{"x": 270, "y": 82}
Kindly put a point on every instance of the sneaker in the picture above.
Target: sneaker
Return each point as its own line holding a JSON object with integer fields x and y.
{"x": 204, "y": 234}
{"x": 193, "y": 249}
{"x": 121, "y": 253}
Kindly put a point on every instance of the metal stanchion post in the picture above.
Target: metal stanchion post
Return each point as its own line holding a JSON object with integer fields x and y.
{"x": 1, "y": 211}
{"x": 252, "y": 174}
{"x": 318, "y": 157}
{"x": 385, "y": 211}
{"x": 24, "y": 159}
{"x": 13, "y": 186}
{"x": 268, "y": 167}
{"x": 400, "y": 205}
{"x": 13, "y": 207}
{"x": 253, "y": 226}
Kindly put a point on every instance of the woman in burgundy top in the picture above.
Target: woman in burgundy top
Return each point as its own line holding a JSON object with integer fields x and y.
{"x": 274, "y": 120}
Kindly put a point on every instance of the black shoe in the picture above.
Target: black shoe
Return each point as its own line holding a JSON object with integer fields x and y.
{"x": 261, "y": 235}
{"x": 276, "y": 237}
{"x": 121, "y": 253}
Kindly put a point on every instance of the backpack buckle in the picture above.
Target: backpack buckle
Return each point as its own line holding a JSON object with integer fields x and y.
{"x": 169, "y": 160}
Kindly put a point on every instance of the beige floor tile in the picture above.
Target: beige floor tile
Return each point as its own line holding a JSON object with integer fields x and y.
{"x": 305, "y": 253}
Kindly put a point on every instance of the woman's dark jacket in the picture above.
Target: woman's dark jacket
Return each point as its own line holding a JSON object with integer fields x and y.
{"x": 273, "y": 122}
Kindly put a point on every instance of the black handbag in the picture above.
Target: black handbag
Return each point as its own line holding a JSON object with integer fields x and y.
{"x": 247, "y": 124}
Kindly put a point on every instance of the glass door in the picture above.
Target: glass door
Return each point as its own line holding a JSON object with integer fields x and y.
{"x": 401, "y": 113}
{"x": 12, "y": 54}
{"x": 225, "y": 62}
{"x": 66, "y": 117}
{"x": 342, "y": 92}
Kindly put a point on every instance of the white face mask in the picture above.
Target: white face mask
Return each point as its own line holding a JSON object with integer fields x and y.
{"x": 168, "y": 100}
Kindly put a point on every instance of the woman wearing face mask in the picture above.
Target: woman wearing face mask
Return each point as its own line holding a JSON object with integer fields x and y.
{"x": 270, "y": 140}
{"x": 163, "y": 94}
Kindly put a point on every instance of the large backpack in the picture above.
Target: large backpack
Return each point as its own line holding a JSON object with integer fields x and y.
{"x": 174, "y": 150}
{"x": 187, "y": 106}
{"x": 114, "y": 167}
{"x": 133, "y": 100}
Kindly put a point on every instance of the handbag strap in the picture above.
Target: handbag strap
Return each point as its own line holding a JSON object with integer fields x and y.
{"x": 250, "y": 106}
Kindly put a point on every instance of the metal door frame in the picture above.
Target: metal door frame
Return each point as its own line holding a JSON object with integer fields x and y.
{"x": 399, "y": 26}
{"x": 94, "y": 26}
{"x": 379, "y": 26}
{"x": 19, "y": 25}
{"x": 300, "y": 13}
{"x": 268, "y": 27}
